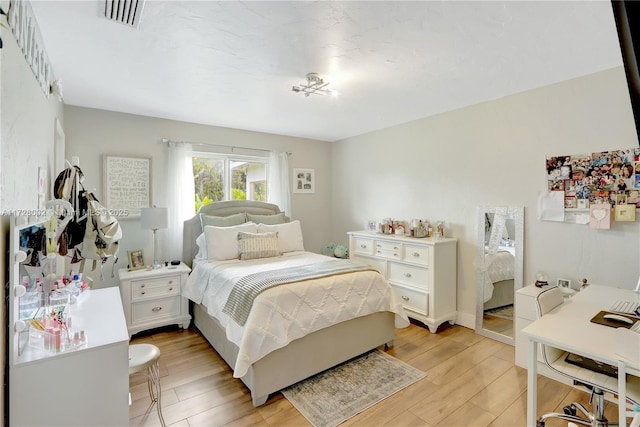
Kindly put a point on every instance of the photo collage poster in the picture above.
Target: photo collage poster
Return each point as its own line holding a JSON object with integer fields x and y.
{"x": 605, "y": 177}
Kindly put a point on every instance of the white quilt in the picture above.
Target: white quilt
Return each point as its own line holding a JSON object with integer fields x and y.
{"x": 499, "y": 267}
{"x": 288, "y": 312}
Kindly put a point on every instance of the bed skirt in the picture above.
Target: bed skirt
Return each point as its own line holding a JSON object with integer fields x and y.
{"x": 303, "y": 357}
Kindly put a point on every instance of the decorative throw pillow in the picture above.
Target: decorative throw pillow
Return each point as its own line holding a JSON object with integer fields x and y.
{"x": 222, "y": 242}
{"x": 223, "y": 221}
{"x": 258, "y": 245}
{"x": 267, "y": 219}
{"x": 289, "y": 235}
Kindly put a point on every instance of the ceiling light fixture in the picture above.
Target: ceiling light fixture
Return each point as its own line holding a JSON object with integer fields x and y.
{"x": 315, "y": 85}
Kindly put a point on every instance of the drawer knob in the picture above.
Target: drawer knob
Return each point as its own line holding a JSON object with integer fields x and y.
{"x": 379, "y": 252}
{"x": 395, "y": 248}
{"x": 395, "y": 255}
{"x": 415, "y": 254}
{"x": 171, "y": 288}
{"x": 404, "y": 297}
{"x": 142, "y": 286}
{"x": 379, "y": 246}
{"x": 142, "y": 293}
{"x": 156, "y": 309}
{"x": 363, "y": 246}
{"x": 407, "y": 275}
{"x": 170, "y": 282}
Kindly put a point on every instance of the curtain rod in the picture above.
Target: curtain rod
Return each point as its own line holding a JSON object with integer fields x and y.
{"x": 232, "y": 147}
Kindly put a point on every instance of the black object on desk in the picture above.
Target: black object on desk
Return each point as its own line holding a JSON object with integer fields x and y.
{"x": 599, "y": 318}
{"x": 592, "y": 365}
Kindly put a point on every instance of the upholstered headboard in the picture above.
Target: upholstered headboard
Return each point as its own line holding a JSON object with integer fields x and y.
{"x": 193, "y": 226}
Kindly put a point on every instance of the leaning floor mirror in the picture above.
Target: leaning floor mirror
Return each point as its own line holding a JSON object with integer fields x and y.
{"x": 500, "y": 255}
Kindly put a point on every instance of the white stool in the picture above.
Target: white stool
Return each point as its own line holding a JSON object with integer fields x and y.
{"x": 143, "y": 360}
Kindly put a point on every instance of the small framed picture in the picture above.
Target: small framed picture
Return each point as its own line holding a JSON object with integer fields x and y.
{"x": 564, "y": 283}
{"x": 304, "y": 180}
{"x": 583, "y": 203}
{"x": 136, "y": 259}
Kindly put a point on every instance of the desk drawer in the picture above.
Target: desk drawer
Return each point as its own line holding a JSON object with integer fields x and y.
{"x": 417, "y": 255}
{"x": 414, "y": 276}
{"x": 413, "y": 299}
{"x": 152, "y": 288}
{"x": 154, "y": 309}
{"x": 363, "y": 246}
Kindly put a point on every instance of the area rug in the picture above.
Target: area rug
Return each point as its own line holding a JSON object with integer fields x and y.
{"x": 505, "y": 312}
{"x": 335, "y": 395}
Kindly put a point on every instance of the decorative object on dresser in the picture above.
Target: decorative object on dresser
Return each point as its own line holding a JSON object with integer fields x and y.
{"x": 421, "y": 271}
{"x": 154, "y": 219}
{"x": 152, "y": 298}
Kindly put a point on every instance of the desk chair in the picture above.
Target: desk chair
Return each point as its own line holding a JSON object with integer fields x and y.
{"x": 598, "y": 383}
{"x": 143, "y": 360}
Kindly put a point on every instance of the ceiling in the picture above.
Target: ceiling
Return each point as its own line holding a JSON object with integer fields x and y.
{"x": 232, "y": 64}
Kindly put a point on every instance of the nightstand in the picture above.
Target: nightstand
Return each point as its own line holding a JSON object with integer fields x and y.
{"x": 153, "y": 298}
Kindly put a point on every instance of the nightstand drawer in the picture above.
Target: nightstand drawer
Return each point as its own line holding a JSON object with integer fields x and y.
{"x": 149, "y": 310}
{"x": 414, "y": 276}
{"x": 363, "y": 246}
{"x": 152, "y": 288}
{"x": 417, "y": 255}
{"x": 412, "y": 299}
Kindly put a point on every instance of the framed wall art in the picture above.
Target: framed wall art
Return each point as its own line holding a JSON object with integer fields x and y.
{"x": 304, "y": 181}
{"x": 127, "y": 184}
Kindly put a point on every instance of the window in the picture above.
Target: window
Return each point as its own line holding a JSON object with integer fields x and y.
{"x": 220, "y": 177}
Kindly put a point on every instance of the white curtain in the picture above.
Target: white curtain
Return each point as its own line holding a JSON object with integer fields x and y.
{"x": 181, "y": 195}
{"x": 278, "y": 192}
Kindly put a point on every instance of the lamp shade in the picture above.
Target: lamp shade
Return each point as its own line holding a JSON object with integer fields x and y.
{"x": 154, "y": 218}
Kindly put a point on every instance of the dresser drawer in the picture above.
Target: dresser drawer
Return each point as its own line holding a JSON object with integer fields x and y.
{"x": 154, "y": 309}
{"x": 152, "y": 288}
{"x": 417, "y": 255}
{"x": 414, "y": 276}
{"x": 388, "y": 246}
{"x": 363, "y": 246}
{"x": 413, "y": 299}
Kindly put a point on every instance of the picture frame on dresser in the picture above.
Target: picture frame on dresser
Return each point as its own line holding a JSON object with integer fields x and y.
{"x": 136, "y": 259}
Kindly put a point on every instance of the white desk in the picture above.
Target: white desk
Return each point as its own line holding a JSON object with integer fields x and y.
{"x": 568, "y": 327}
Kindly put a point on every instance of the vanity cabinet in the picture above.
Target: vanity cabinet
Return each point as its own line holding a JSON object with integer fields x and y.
{"x": 422, "y": 272}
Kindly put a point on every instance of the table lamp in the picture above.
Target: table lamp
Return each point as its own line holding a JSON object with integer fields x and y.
{"x": 154, "y": 219}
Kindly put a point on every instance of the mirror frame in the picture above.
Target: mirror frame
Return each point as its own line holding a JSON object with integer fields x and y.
{"x": 517, "y": 213}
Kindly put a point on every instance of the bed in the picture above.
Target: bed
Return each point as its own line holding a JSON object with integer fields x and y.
{"x": 281, "y": 359}
{"x": 499, "y": 278}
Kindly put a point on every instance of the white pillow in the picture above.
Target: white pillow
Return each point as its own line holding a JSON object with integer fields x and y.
{"x": 201, "y": 242}
{"x": 222, "y": 242}
{"x": 289, "y": 235}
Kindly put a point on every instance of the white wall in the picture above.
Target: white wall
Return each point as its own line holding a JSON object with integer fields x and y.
{"x": 92, "y": 133}
{"x": 27, "y": 121}
{"x": 445, "y": 167}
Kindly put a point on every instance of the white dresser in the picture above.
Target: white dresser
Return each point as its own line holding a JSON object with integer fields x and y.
{"x": 153, "y": 298}
{"x": 84, "y": 387}
{"x": 422, "y": 272}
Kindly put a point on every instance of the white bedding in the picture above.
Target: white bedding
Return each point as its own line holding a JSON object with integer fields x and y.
{"x": 287, "y": 312}
{"x": 498, "y": 267}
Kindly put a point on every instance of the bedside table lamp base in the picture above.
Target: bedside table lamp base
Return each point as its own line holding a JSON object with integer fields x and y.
{"x": 154, "y": 219}
{"x": 156, "y": 264}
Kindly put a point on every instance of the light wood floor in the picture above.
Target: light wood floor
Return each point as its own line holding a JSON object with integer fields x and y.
{"x": 471, "y": 381}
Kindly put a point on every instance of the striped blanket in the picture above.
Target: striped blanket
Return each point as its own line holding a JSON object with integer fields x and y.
{"x": 244, "y": 292}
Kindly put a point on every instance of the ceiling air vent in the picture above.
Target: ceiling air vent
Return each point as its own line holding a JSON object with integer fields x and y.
{"x": 123, "y": 11}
